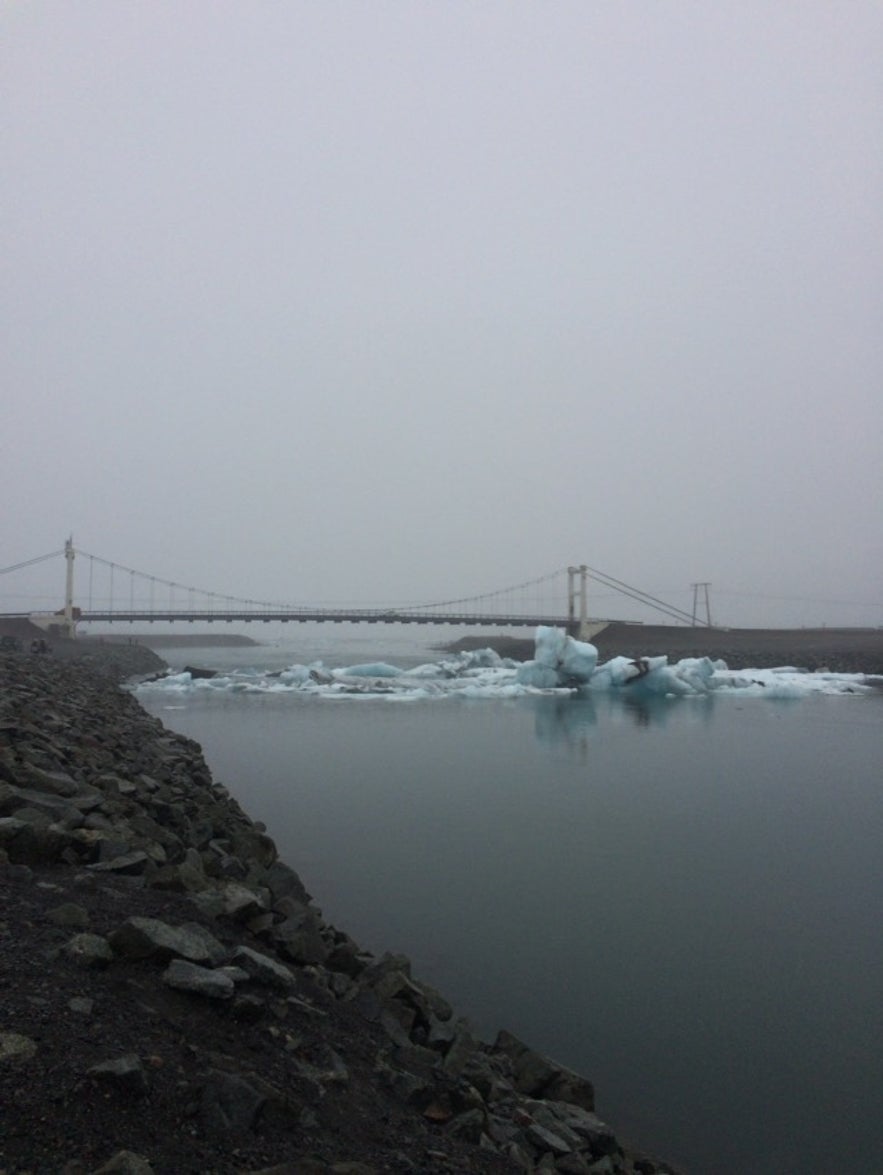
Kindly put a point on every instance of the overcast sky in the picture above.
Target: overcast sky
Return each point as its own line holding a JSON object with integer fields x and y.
{"x": 386, "y": 301}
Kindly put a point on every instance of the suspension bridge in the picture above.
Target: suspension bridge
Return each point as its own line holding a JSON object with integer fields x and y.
{"x": 115, "y": 594}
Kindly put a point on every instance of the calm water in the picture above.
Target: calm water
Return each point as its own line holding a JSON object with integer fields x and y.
{"x": 682, "y": 901}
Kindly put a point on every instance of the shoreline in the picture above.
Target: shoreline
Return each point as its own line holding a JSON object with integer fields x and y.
{"x": 173, "y": 640}
{"x": 172, "y": 991}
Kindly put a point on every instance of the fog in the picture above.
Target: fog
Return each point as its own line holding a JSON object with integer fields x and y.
{"x": 397, "y": 301}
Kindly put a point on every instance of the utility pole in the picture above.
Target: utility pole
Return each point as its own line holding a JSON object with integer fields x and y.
{"x": 705, "y": 587}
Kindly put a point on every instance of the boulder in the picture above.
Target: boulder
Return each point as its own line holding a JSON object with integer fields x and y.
{"x": 262, "y": 968}
{"x": 14, "y": 1048}
{"x": 142, "y": 938}
{"x": 125, "y": 1163}
{"x": 540, "y": 1077}
{"x": 69, "y": 914}
{"x": 202, "y": 981}
{"x": 135, "y": 862}
{"x": 229, "y": 1104}
{"x": 125, "y": 1073}
{"x": 241, "y": 903}
{"x": 283, "y": 882}
{"x": 89, "y": 950}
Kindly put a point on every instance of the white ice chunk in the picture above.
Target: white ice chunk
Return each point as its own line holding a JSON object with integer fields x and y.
{"x": 579, "y": 660}
{"x": 550, "y": 644}
{"x": 295, "y": 675}
{"x": 371, "y": 669}
{"x": 617, "y": 671}
{"x": 537, "y": 675}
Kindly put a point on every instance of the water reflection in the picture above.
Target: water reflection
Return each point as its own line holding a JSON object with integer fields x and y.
{"x": 572, "y": 721}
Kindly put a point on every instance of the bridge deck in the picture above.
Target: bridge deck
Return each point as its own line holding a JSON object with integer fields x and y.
{"x": 319, "y": 616}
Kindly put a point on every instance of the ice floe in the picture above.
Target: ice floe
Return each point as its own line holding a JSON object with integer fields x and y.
{"x": 561, "y": 665}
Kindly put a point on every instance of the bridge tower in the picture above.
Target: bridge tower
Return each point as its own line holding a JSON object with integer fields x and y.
{"x": 69, "y": 589}
{"x": 577, "y": 623}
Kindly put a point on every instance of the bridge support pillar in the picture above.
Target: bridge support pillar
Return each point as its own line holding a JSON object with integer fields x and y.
{"x": 69, "y": 622}
{"x": 577, "y": 618}
{"x": 578, "y": 623}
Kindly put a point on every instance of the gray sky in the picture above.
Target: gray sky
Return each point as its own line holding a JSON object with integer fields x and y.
{"x": 396, "y": 301}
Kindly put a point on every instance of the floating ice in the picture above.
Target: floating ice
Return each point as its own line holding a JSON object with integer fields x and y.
{"x": 373, "y": 669}
{"x": 559, "y": 660}
{"x": 561, "y": 665}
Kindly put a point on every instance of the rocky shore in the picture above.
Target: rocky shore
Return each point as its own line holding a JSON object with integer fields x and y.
{"x": 172, "y": 1000}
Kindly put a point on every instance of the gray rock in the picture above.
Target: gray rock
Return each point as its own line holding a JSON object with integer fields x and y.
{"x": 263, "y": 969}
{"x": 251, "y": 845}
{"x": 469, "y": 1125}
{"x": 346, "y": 956}
{"x": 538, "y": 1076}
{"x": 181, "y": 878}
{"x": 544, "y": 1140}
{"x": 57, "y": 783}
{"x": 125, "y": 1163}
{"x": 81, "y": 1005}
{"x": 55, "y": 807}
{"x": 89, "y": 950}
{"x": 431, "y": 1001}
{"x": 198, "y": 980}
{"x": 410, "y": 1088}
{"x": 14, "y": 1048}
{"x": 35, "y": 816}
{"x": 326, "y": 1067}
{"x": 480, "y": 1072}
{"x": 31, "y": 844}
{"x": 283, "y": 882}
{"x": 10, "y": 828}
{"x": 142, "y": 938}
{"x": 69, "y": 914}
{"x": 241, "y": 903}
{"x": 588, "y": 1126}
{"x": 229, "y": 1104}
{"x": 300, "y": 939}
{"x": 126, "y": 1073}
{"x": 237, "y": 974}
{"x": 553, "y": 1116}
{"x": 247, "y": 1007}
{"x": 605, "y": 1166}
{"x": 209, "y": 902}
{"x": 461, "y": 1050}
{"x": 134, "y": 862}
{"x": 574, "y": 1164}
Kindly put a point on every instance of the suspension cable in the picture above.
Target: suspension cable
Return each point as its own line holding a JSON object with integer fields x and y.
{"x": 31, "y": 562}
{"x": 172, "y": 584}
{"x": 642, "y": 597}
{"x": 490, "y": 595}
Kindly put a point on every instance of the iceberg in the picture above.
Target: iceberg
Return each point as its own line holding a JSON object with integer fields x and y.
{"x": 559, "y": 661}
{"x": 372, "y": 669}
